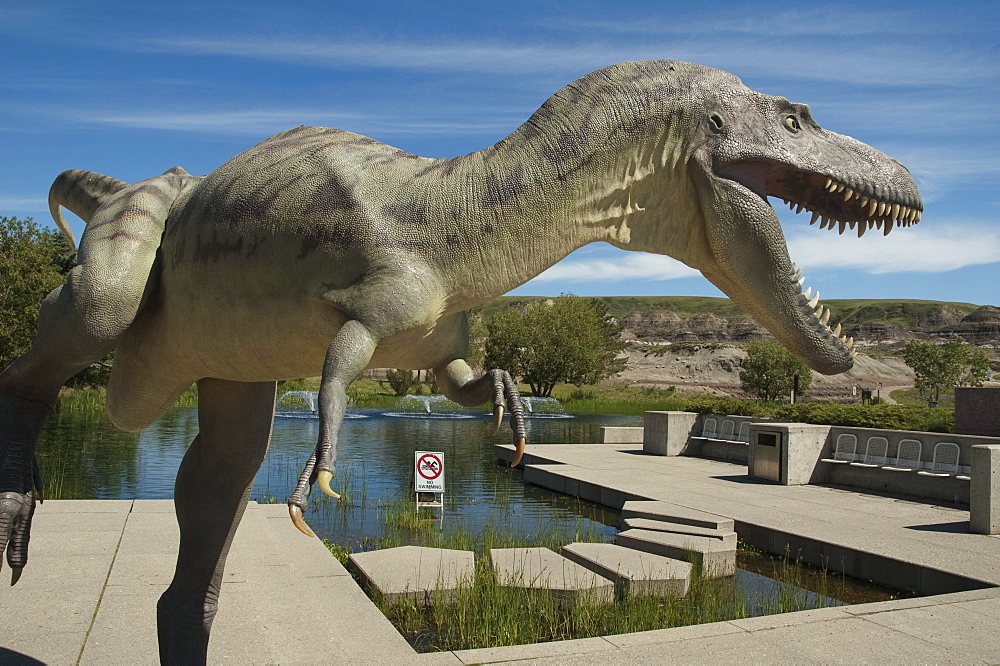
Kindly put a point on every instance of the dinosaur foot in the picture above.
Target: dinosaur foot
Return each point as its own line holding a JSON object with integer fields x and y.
{"x": 506, "y": 396}
{"x": 20, "y": 480}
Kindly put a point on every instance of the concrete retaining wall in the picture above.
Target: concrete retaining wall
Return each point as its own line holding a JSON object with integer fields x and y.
{"x": 621, "y": 435}
{"x": 803, "y": 447}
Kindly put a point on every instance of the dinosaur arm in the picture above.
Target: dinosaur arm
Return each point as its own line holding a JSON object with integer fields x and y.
{"x": 346, "y": 357}
{"x": 460, "y": 384}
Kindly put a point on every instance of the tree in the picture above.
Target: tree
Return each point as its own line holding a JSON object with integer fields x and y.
{"x": 769, "y": 371}
{"x": 401, "y": 381}
{"x": 955, "y": 363}
{"x": 568, "y": 339}
{"x": 33, "y": 262}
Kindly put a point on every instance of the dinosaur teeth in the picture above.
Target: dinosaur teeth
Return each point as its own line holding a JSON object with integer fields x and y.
{"x": 848, "y": 194}
{"x": 815, "y": 216}
{"x": 825, "y": 317}
{"x": 843, "y": 226}
{"x": 836, "y": 331}
{"x": 808, "y": 292}
{"x": 799, "y": 208}
{"x": 802, "y": 281}
{"x": 815, "y": 301}
{"x": 828, "y": 182}
{"x": 872, "y": 207}
{"x": 797, "y": 274}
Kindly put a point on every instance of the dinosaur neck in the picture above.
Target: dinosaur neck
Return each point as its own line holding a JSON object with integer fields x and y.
{"x": 527, "y": 202}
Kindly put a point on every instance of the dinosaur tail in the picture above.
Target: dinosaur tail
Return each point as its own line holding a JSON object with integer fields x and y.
{"x": 82, "y": 192}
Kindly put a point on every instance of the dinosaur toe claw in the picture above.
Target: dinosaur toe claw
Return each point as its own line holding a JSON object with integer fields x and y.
{"x": 323, "y": 479}
{"x": 497, "y": 419}
{"x": 518, "y": 453}
{"x": 296, "y": 514}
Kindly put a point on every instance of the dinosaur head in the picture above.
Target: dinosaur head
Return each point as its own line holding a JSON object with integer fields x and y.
{"x": 747, "y": 150}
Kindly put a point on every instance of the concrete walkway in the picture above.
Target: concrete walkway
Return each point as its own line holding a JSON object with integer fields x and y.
{"x": 96, "y": 569}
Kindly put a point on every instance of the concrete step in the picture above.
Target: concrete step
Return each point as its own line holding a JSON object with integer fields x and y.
{"x": 674, "y": 513}
{"x": 633, "y": 572}
{"x": 415, "y": 572}
{"x": 726, "y": 536}
{"x": 548, "y": 572}
{"x": 716, "y": 558}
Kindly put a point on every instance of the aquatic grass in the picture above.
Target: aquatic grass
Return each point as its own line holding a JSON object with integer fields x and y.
{"x": 95, "y": 399}
{"x": 482, "y": 613}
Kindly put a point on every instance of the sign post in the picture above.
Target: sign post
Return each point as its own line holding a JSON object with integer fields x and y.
{"x": 429, "y": 480}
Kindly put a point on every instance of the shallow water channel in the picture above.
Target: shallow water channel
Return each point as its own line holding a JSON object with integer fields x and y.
{"x": 83, "y": 456}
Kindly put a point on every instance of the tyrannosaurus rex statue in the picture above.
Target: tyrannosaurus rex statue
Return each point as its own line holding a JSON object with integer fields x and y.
{"x": 366, "y": 256}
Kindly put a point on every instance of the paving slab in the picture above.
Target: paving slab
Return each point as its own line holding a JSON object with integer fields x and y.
{"x": 728, "y": 537}
{"x": 548, "y": 572}
{"x": 414, "y": 572}
{"x": 674, "y": 513}
{"x": 716, "y": 559}
{"x": 633, "y": 572}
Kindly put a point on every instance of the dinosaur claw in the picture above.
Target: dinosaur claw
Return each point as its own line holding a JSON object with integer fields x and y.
{"x": 518, "y": 452}
{"x": 323, "y": 479}
{"x": 296, "y": 514}
{"x": 15, "y": 575}
{"x": 497, "y": 419}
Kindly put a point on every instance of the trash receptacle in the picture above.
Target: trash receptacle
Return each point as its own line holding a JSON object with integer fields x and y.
{"x": 766, "y": 453}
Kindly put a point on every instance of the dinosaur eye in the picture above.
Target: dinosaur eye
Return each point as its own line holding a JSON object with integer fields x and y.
{"x": 716, "y": 123}
{"x": 792, "y": 123}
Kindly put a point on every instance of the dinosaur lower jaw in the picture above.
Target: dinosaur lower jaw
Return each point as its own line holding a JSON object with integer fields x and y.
{"x": 796, "y": 318}
{"x": 773, "y": 294}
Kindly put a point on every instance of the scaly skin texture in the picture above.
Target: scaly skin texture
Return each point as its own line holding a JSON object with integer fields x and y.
{"x": 319, "y": 251}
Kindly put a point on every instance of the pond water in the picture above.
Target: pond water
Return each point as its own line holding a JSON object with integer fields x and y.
{"x": 83, "y": 456}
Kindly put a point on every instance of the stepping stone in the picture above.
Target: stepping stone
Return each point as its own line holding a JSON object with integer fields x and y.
{"x": 633, "y": 572}
{"x": 657, "y": 510}
{"x": 414, "y": 572}
{"x": 716, "y": 558}
{"x": 545, "y": 571}
{"x": 725, "y": 536}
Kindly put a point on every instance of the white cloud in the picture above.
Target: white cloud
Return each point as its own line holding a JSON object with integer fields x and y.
{"x": 630, "y": 266}
{"x": 268, "y": 121}
{"x": 439, "y": 55}
{"x": 887, "y": 64}
{"x": 922, "y": 249}
{"x": 19, "y": 203}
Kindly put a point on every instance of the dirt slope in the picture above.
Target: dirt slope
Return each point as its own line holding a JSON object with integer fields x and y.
{"x": 715, "y": 369}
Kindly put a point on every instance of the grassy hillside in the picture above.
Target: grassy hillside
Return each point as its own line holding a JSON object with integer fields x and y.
{"x": 905, "y": 313}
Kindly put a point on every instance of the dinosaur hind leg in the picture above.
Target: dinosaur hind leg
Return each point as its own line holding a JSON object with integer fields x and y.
{"x": 213, "y": 485}
{"x": 78, "y": 324}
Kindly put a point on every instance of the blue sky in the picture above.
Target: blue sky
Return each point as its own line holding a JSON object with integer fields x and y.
{"x": 130, "y": 89}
